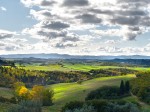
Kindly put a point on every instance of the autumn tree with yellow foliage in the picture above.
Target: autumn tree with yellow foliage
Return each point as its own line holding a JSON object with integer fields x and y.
{"x": 37, "y": 93}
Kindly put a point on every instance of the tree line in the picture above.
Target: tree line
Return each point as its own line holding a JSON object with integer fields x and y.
{"x": 10, "y": 75}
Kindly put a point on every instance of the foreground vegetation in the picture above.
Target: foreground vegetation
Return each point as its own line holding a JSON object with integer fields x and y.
{"x": 141, "y": 86}
{"x": 75, "y": 92}
{"x": 66, "y": 92}
{"x": 59, "y": 84}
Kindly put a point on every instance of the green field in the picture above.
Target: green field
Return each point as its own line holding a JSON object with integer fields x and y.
{"x": 75, "y": 67}
{"x": 5, "y": 92}
{"x": 66, "y": 92}
{"x": 51, "y": 67}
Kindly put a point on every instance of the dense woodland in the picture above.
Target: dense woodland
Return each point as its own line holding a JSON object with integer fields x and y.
{"x": 6, "y": 63}
{"x": 112, "y": 72}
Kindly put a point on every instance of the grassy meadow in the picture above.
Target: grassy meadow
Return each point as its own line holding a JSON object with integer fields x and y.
{"x": 74, "y": 67}
{"x": 66, "y": 92}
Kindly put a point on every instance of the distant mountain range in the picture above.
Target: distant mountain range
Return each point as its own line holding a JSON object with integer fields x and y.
{"x": 66, "y": 56}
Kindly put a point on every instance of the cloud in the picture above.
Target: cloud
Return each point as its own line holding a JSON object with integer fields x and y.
{"x": 3, "y": 8}
{"x": 13, "y": 44}
{"x": 63, "y": 39}
{"x": 89, "y": 18}
{"x": 111, "y": 42}
{"x": 64, "y": 45}
{"x": 47, "y": 3}
{"x": 6, "y": 34}
{"x": 42, "y": 3}
{"x": 72, "y": 23}
{"x": 55, "y": 38}
{"x": 73, "y": 3}
{"x": 40, "y": 15}
{"x": 131, "y": 17}
{"x": 55, "y": 25}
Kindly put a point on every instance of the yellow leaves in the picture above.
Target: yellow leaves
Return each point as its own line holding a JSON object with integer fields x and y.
{"x": 38, "y": 88}
{"x": 37, "y": 92}
{"x": 23, "y": 91}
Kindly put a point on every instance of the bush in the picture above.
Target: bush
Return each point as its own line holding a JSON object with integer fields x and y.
{"x": 128, "y": 107}
{"x": 85, "y": 108}
{"x": 3, "y": 100}
{"x": 48, "y": 97}
{"x": 105, "y": 92}
{"x": 100, "y": 106}
{"x": 97, "y": 106}
{"x": 27, "y": 106}
{"x": 38, "y": 93}
{"x": 72, "y": 105}
{"x": 79, "y": 82}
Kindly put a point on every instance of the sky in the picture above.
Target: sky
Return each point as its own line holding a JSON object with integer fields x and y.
{"x": 75, "y": 27}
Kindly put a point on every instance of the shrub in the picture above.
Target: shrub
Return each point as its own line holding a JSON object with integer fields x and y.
{"x": 101, "y": 106}
{"x": 128, "y": 107}
{"x": 79, "y": 82}
{"x": 85, "y": 108}
{"x": 3, "y": 100}
{"x": 106, "y": 92}
{"x": 38, "y": 93}
{"x": 48, "y": 97}
{"x": 27, "y": 106}
{"x": 72, "y": 105}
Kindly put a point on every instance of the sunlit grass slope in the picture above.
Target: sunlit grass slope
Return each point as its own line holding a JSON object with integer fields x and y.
{"x": 67, "y": 92}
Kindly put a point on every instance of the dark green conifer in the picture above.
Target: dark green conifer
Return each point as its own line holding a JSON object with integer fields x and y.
{"x": 127, "y": 86}
{"x": 122, "y": 88}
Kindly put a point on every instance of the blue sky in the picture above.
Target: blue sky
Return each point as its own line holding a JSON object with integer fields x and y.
{"x": 80, "y": 27}
{"x": 15, "y": 18}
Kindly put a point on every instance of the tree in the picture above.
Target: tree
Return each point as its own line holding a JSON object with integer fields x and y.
{"x": 18, "y": 85}
{"x": 22, "y": 93}
{"x": 122, "y": 88}
{"x": 40, "y": 94}
{"x": 127, "y": 86}
{"x": 48, "y": 97}
{"x": 37, "y": 93}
